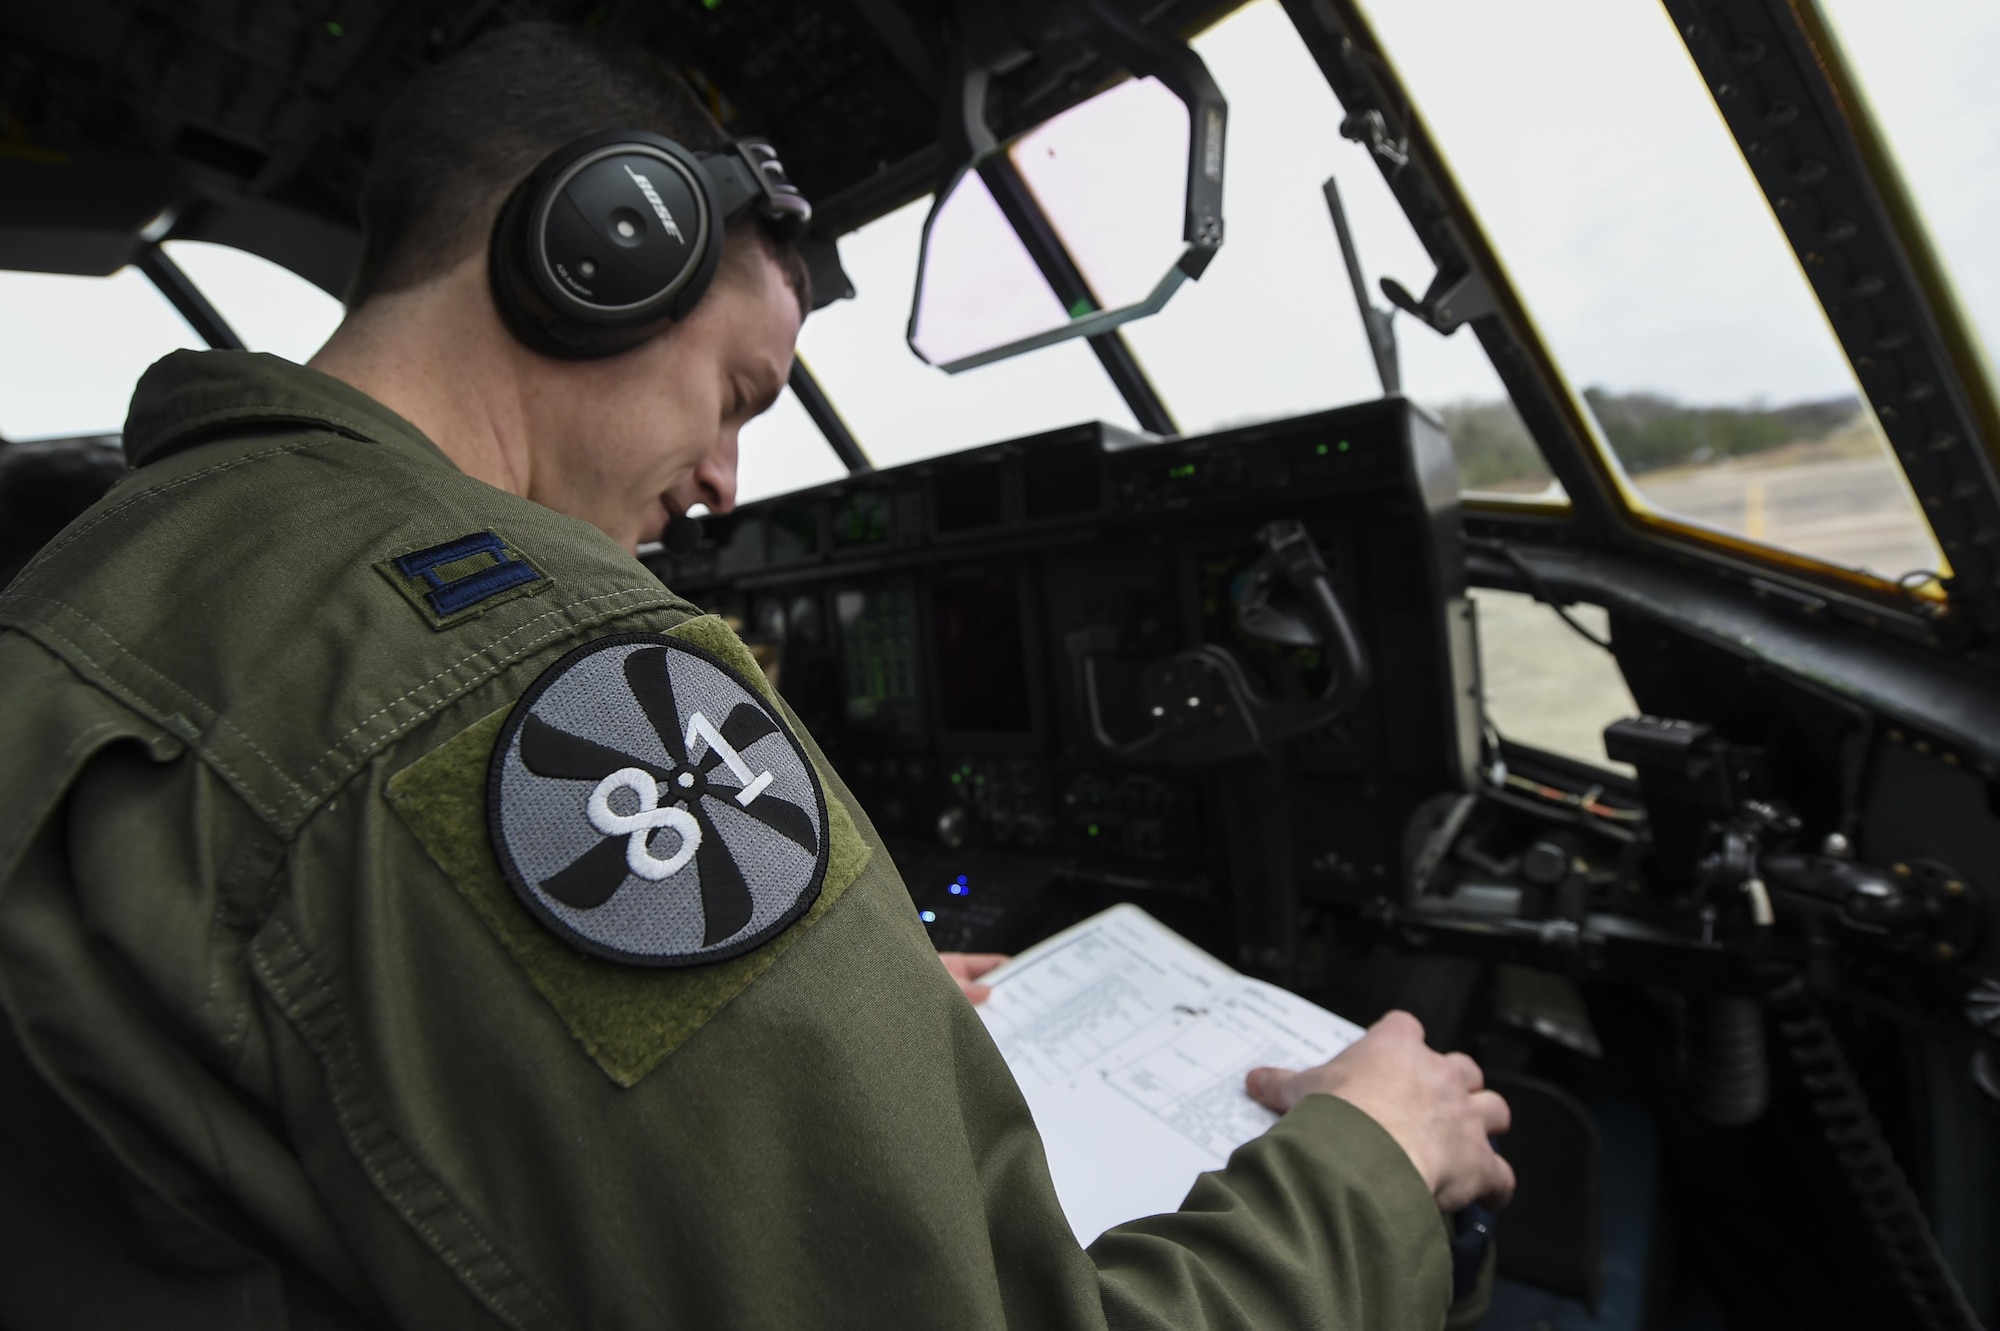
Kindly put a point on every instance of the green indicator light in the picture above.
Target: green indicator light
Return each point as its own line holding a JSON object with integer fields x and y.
{"x": 1344, "y": 445}
{"x": 1082, "y": 306}
{"x": 1182, "y": 472}
{"x": 956, "y": 778}
{"x": 978, "y": 780}
{"x": 336, "y": 30}
{"x": 1320, "y": 449}
{"x": 1092, "y": 829}
{"x": 711, "y": 4}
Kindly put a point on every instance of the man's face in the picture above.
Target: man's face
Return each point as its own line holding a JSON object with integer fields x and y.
{"x": 638, "y": 439}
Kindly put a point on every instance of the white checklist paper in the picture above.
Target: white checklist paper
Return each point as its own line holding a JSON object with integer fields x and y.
{"x": 1130, "y": 1044}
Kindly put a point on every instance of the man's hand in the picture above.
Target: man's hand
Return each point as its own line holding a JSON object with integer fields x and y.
{"x": 1435, "y": 1105}
{"x": 967, "y": 967}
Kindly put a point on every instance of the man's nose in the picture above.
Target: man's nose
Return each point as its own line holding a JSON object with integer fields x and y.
{"x": 716, "y": 476}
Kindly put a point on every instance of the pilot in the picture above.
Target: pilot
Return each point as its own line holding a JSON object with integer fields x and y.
{"x": 413, "y": 913}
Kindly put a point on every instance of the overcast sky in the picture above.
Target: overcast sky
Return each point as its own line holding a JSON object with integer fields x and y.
{"x": 1578, "y": 127}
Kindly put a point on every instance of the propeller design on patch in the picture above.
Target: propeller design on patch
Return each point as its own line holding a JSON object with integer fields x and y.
{"x": 667, "y": 822}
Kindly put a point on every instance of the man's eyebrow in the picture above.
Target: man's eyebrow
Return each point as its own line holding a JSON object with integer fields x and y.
{"x": 769, "y": 397}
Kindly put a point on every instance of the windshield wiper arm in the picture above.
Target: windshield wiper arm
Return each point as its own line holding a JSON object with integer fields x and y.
{"x": 1378, "y": 323}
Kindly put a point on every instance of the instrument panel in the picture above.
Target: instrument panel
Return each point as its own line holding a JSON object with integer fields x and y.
{"x": 987, "y": 644}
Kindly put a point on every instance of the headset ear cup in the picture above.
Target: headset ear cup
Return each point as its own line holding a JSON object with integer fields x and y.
{"x": 701, "y": 279}
{"x": 523, "y": 311}
{"x": 537, "y": 258}
{"x": 522, "y": 305}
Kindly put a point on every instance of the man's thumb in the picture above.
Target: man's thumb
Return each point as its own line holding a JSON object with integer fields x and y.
{"x": 1269, "y": 1087}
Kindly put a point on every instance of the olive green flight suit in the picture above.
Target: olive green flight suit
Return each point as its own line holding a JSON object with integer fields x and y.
{"x": 283, "y": 1050}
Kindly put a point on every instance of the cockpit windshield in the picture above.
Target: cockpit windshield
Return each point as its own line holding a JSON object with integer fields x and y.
{"x": 898, "y": 407}
{"x": 1270, "y": 330}
{"x": 1653, "y": 267}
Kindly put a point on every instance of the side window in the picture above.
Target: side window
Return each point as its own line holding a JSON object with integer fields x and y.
{"x": 72, "y": 347}
{"x": 271, "y": 308}
{"x": 1544, "y": 685}
{"x": 1930, "y": 84}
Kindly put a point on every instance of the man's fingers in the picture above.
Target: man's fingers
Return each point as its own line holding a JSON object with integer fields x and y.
{"x": 1399, "y": 1023}
{"x": 1489, "y": 1179}
{"x": 965, "y": 966}
{"x": 1271, "y": 1088}
{"x": 1467, "y": 1071}
{"x": 1494, "y": 1114}
{"x": 1500, "y": 1189}
{"x": 977, "y": 964}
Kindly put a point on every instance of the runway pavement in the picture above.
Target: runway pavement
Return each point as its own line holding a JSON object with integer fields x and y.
{"x": 1846, "y": 510}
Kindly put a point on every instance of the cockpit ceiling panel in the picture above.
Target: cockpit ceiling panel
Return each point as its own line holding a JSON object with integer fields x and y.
{"x": 220, "y": 104}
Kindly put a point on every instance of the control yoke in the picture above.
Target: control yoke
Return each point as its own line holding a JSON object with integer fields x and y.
{"x": 1203, "y": 705}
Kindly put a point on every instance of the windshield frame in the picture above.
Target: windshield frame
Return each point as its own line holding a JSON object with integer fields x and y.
{"x": 1603, "y": 503}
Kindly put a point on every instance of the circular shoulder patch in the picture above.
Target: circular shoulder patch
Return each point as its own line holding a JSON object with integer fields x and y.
{"x": 652, "y": 808}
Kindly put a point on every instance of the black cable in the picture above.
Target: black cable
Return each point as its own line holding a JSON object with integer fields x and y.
{"x": 1537, "y": 588}
{"x": 1887, "y": 1202}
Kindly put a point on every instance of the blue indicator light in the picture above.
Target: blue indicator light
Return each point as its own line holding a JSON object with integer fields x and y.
{"x": 961, "y": 880}
{"x": 958, "y": 889}
{"x": 927, "y": 916}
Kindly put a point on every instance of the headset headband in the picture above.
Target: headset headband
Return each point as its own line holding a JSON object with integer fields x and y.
{"x": 752, "y": 177}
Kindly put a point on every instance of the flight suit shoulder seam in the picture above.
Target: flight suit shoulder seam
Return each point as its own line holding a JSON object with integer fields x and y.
{"x": 312, "y": 439}
{"x": 323, "y": 776}
{"x": 279, "y": 417}
{"x": 499, "y": 656}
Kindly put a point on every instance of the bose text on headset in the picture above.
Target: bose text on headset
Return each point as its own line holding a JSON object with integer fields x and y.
{"x": 616, "y": 235}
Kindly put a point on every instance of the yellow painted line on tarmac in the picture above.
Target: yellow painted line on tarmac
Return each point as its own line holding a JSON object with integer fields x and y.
{"x": 1753, "y": 509}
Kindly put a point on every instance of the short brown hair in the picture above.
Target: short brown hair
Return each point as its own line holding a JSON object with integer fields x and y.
{"x": 458, "y": 139}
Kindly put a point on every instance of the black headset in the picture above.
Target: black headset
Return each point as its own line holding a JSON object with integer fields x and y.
{"x": 616, "y": 235}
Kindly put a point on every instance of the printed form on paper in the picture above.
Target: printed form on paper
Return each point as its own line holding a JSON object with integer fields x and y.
{"x": 1130, "y": 1044}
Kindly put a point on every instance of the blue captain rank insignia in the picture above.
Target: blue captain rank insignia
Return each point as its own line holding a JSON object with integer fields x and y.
{"x": 463, "y": 578}
{"x": 652, "y": 808}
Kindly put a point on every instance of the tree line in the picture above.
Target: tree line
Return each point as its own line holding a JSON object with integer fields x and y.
{"x": 1648, "y": 431}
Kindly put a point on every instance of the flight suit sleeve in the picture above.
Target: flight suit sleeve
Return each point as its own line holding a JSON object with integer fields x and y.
{"x": 1323, "y": 1212}
{"x": 458, "y": 1119}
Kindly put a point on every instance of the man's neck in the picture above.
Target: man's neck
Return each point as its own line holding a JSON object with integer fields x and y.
{"x": 417, "y": 354}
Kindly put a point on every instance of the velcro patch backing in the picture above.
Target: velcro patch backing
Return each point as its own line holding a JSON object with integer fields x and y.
{"x": 462, "y": 578}
{"x": 628, "y": 1018}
